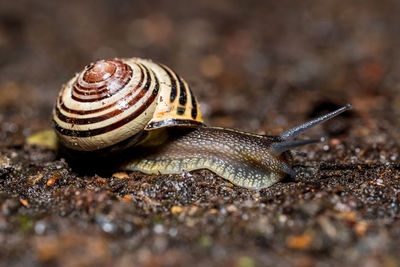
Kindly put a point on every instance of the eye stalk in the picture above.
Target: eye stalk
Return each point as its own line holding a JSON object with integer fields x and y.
{"x": 295, "y": 131}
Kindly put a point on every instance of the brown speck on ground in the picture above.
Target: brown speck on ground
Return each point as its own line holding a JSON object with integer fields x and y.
{"x": 273, "y": 65}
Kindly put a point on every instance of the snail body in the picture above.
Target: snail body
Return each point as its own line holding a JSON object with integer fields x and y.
{"x": 245, "y": 160}
{"x": 149, "y": 112}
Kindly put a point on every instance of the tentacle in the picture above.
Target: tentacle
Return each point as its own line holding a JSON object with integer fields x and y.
{"x": 300, "y": 153}
{"x": 286, "y": 169}
{"x": 289, "y": 134}
{"x": 280, "y": 147}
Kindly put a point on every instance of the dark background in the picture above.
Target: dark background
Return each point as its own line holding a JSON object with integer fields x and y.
{"x": 259, "y": 66}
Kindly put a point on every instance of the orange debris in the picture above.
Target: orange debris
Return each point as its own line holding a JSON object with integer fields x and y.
{"x": 120, "y": 175}
{"x": 176, "y": 209}
{"x": 24, "y": 202}
{"x": 51, "y": 181}
{"x": 299, "y": 242}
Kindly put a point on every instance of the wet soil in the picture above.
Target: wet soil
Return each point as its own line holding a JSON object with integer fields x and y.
{"x": 259, "y": 66}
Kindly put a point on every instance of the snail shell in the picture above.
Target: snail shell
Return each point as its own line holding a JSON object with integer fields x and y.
{"x": 130, "y": 105}
{"x": 112, "y": 101}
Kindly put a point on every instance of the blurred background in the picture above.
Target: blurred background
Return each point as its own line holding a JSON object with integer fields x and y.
{"x": 254, "y": 65}
{"x": 258, "y": 65}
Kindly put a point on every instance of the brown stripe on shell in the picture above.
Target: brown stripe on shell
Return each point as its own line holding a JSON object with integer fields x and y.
{"x": 194, "y": 104}
{"x": 100, "y": 95}
{"x": 115, "y": 125}
{"x": 62, "y": 106}
{"x": 115, "y": 112}
{"x": 173, "y": 82}
{"x": 102, "y": 90}
{"x": 182, "y": 92}
{"x": 87, "y": 88}
{"x": 99, "y": 90}
{"x": 100, "y": 84}
{"x": 92, "y": 80}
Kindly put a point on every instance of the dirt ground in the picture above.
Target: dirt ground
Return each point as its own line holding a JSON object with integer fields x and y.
{"x": 258, "y": 66}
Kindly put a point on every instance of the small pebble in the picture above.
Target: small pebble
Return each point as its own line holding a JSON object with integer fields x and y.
{"x": 33, "y": 179}
{"x": 108, "y": 227}
{"x": 120, "y": 175}
{"x": 5, "y": 162}
{"x": 105, "y": 224}
{"x": 173, "y": 232}
{"x": 40, "y": 227}
{"x": 51, "y": 181}
{"x": 24, "y": 202}
{"x": 223, "y": 211}
{"x": 299, "y": 242}
{"x": 127, "y": 198}
{"x": 335, "y": 142}
{"x": 158, "y": 229}
{"x": 176, "y": 209}
{"x": 231, "y": 208}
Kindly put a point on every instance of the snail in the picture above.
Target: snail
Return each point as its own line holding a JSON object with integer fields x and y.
{"x": 148, "y": 111}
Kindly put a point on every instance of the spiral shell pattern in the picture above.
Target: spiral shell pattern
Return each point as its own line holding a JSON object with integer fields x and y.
{"x": 112, "y": 101}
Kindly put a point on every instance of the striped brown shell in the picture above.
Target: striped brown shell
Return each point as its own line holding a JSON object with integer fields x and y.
{"x": 115, "y": 100}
